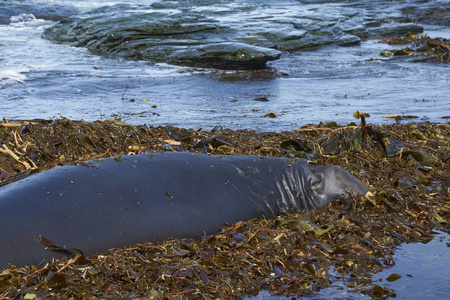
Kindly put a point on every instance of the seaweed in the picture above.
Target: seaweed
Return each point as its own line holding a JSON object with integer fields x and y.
{"x": 406, "y": 167}
{"x": 419, "y": 46}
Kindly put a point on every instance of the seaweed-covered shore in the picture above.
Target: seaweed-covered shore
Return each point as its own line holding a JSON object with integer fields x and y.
{"x": 405, "y": 165}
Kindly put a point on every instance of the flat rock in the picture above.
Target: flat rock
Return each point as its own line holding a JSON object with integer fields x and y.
{"x": 230, "y": 34}
{"x": 200, "y": 34}
{"x": 434, "y": 12}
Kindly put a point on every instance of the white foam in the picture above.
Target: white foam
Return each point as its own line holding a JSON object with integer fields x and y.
{"x": 22, "y": 18}
{"x": 11, "y": 76}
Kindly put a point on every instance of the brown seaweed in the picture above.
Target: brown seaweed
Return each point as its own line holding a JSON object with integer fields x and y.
{"x": 405, "y": 165}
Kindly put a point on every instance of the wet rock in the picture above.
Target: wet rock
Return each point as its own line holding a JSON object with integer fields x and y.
{"x": 435, "y": 12}
{"x": 229, "y": 55}
{"x": 146, "y": 33}
{"x": 261, "y": 99}
{"x": 231, "y": 34}
{"x": 395, "y": 30}
{"x": 46, "y": 11}
{"x": 197, "y": 34}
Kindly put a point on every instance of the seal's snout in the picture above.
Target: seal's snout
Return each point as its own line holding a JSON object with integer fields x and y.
{"x": 361, "y": 188}
{"x": 341, "y": 182}
{"x": 358, "y": 188}
{"x": 352, "y": 184}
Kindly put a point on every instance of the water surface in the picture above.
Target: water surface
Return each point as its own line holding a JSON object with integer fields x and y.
{"x": 39, "y": 79}
{"x": 424, "y": 271}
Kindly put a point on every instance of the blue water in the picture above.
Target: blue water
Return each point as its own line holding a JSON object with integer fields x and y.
{"x": 424, "y": 271}
{"x": 39, "y": 79}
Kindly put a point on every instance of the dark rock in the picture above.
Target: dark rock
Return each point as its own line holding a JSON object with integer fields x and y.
{"x": 182, "y": 38}
{"x": 179, "y": 33}
{"x": 436, "y": 13}
{"x": 395, "y": 30}
{"x": 232, "y": 34}
{"x": 261, "y": 99}
{"x": 230, "y": 55}
{"x": 46, "y": 11}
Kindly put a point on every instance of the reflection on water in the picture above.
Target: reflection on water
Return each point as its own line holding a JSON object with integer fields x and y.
{"x": 39, "y": 79}
{"x": 424, "y": 271}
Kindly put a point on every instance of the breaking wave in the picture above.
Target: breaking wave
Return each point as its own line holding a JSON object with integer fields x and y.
{"x": 22, "y": 18}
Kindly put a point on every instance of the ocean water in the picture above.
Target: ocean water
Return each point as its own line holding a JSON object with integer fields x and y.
{"x": 40, "y": 79}
{"x": 424, "y": 271}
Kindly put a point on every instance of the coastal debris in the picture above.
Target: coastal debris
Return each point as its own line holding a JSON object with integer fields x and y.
{"x": 271, "y": 115}
{"x": 420, "y": 46}
{"x": 400, "y": 117}
{"x": 405, "y": 166}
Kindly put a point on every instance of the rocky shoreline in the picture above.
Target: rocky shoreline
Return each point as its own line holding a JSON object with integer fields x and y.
{"x": 228, "y": 35}
{"x": 15, "y": 11}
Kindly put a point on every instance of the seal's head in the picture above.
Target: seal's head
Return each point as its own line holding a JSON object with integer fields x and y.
{"x": 329, "y": 183}
{"x": 306, "y": 186}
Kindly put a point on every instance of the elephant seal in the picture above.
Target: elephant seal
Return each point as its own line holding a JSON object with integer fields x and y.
{"x": 120, "y": 202}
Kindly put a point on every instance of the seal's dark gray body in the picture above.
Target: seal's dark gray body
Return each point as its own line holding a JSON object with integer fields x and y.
{"x": 121, "y": 202}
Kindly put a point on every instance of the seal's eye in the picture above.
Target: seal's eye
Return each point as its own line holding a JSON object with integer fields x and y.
{"x": 316, "y": 183}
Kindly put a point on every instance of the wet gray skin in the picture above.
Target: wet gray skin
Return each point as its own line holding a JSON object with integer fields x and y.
{"x": 121, "y": 202}
{"x": 306, "y": 186}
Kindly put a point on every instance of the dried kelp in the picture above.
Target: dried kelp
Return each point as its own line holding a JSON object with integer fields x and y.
{"x": 419, "y": 45}
{"x": 405, "y": 165}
